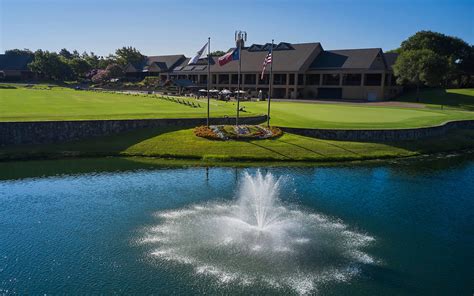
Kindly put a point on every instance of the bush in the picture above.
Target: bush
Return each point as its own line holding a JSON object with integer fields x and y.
{"x": 101, "y": 76}
{"x": 152, "y": 81}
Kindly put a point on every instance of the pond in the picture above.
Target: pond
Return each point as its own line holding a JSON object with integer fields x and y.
{"x": 118, "y": 226}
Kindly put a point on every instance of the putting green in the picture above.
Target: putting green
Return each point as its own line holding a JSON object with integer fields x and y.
{"x": 38, "y": 103}
{"x": 351, "y": 116}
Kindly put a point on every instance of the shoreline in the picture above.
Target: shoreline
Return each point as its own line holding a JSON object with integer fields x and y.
{"x": 237, "y": 162}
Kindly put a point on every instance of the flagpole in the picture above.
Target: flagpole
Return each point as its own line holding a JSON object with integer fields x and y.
{"x": 208, "y": 77}
{"x": 238, "y": 80}
{"x": 270, "y": 84}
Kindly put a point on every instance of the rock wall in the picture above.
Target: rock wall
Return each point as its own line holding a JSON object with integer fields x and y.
{"x": 381, "y": 135}
{"x": 43, "y": 132}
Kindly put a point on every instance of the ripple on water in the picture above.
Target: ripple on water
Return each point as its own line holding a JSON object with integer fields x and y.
{"x": 259, "y": 240}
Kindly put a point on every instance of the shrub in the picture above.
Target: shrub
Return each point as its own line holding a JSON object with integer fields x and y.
{"x": 101, "y": 76}
{"x": 152, "y": 81}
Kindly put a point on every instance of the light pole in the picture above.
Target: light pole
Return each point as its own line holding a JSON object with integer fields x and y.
{"x": 240, "y": 37}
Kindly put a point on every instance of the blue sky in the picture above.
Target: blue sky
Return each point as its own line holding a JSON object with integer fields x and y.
{"x": 173, "y": 26}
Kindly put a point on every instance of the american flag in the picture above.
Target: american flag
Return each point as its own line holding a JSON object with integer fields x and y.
{"x": 268, "y": 60}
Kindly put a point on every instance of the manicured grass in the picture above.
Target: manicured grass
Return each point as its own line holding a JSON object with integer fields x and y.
{"x": 182, "y": 144}
{"x": 349, "y": 116}
{"x": 24, "y": 104}
{"x": 458, "y": 98}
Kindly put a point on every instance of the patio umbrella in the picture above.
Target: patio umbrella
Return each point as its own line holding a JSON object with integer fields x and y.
{"x": 203, "y": 90}
{"x": 239, "y": 91}
{"x": 214, "y": 91}
{"x": 226, "y": 92}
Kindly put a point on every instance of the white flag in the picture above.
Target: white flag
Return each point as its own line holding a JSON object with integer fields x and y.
{"x": 201, "y": 53}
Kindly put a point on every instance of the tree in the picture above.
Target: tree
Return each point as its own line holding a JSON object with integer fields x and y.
{"x": 104, "y": 62}
{"x": 115, "y": 71}
{"x": 92, "y": 59}
{"x": 79, "y": 66}
{"x": 456, "y": 50}
{"x": 421, "y": 66}
{"x": 51, "y": 66}
{"x": 128, "y": 55}
{"x": 217, "y": 53}
{"x": 19, "y": 52}
{"x": 65, "y": 54}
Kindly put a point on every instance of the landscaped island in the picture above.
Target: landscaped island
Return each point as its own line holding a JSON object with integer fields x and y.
{"x": 42, "y": 103}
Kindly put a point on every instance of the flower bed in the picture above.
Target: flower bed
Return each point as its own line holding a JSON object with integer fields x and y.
{"x": 241, "y": 132}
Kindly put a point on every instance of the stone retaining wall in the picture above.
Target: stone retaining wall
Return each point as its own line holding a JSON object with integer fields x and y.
{"x": 43, "y": 132}
{"x": 381, "y": 135}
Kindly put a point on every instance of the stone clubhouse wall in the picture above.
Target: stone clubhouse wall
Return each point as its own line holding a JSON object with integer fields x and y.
{"x": 45, "y": 132}
{"x": 381, "y": 135}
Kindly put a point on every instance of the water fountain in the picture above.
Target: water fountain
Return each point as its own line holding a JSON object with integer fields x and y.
{"x": 258, "y": 239}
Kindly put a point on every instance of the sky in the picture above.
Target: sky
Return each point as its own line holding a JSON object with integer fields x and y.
{"x": 157, "y": 27}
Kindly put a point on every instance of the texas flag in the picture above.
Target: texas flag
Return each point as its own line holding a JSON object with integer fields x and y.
{"x": 232, "y": 55}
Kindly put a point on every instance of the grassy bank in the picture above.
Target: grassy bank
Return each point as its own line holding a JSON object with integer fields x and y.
{"x": 182, "y": 144}
{"x": 42, "y": 103}
{"x": 455, "y": 98}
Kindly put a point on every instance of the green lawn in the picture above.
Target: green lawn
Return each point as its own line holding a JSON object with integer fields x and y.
{"x": 355, "y": 116}
{"x": 22, "y": 104}
{"x": 458, "y": 98}
{"x": 40, "y": 103}
{"x": 183, "y": 144}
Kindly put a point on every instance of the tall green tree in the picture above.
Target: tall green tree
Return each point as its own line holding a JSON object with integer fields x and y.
{"x": 19, "y": 52}
{"x": 50, "y": 65}
{"x": 65, "y": 53}
{"x": 217, "y": 53}
{"x": 126, "y": 55}
{"x": 92, "y": 59}
{"x": 79, "y": 66}
{"x": 115, "y": 71}
{"x": 420, "y": 67}
{"x": 457, "y": 51}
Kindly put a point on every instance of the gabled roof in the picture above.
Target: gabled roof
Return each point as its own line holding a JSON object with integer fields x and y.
{"x": 288, "y": 58}
{"x": 346, "y": 59}
{"x": 15, "y": 62}
{"x": 164, "y": 63}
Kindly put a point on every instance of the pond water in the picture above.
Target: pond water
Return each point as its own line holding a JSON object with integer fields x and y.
{"x": 118, "y": 226}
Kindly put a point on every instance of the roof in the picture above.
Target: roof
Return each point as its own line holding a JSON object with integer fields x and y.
{"x": 390, "y": 58}
{"x": 293, "y": 58}
{"x": 186, "y": 83}
{"x": 346, "y": 59}
{"x": 15, "y": 62}
{"x": 157, "y": 63}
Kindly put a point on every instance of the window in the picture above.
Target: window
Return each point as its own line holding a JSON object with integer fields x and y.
{"x": 373, "y": 79}
{"x": 279, "y": 79}
{"x": 234, "y": 79}
{"x": 351, "y": 79}
{"x": 312, "y": 79}
{"x": 331, "y": 79}
{"x": 300, "y": 79}
{"x": 292, "y": 79}
{"x": 265, "y": 79}
{"x": 250, "y": 79}
{"x": 224, "y": 79}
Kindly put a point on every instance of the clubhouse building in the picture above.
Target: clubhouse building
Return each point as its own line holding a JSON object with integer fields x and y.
{"x": 300, "y": 71}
